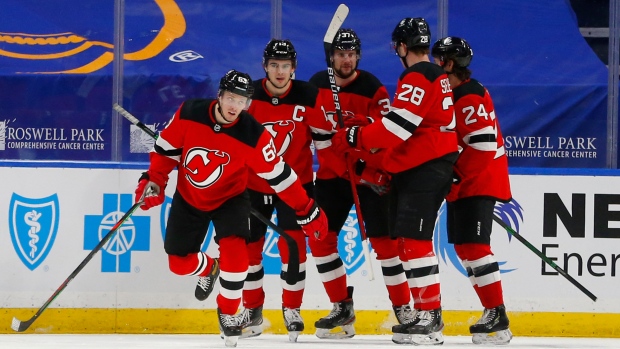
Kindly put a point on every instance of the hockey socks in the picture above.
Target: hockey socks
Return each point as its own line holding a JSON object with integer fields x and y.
{"x": 422, "y": 270}
{"x": 392, "y": 270}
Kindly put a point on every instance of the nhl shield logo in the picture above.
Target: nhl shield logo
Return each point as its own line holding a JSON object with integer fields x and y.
{"x": 33, "y": 224}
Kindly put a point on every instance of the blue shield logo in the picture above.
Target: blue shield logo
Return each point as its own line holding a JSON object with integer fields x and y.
{"x": 350, "y": 244}
{"x": 33, "y": 224}
{"x": 349, "y": 247}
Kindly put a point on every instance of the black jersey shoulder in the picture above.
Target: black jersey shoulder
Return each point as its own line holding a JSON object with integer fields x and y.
{"x": 320, "y": 79}
{"x": 301, "y": 93}
{"x": 430, "y": 71}
{"x": 365, "y": 85}
{"x": 246, "y": 130}
{"x": 259, "y": 92}
{"x": 197, "y": 110}
{"x": 471, "y": 87}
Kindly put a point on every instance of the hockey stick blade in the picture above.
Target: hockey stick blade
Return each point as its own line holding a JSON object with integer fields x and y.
{"x": 544, "y": 258}
{"x": 339, "y": 16}
{"x": 293, "y": 265}
{"x": 21, "y": 326}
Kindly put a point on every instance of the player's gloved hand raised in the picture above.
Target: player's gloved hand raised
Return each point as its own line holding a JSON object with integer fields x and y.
{"x": 348, "y": 139}
{"x": 313, "y": 221}
{"x": 150, "y": 190}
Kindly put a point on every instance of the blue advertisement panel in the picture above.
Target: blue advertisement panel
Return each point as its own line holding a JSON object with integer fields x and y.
{"x": 56, "y": 68}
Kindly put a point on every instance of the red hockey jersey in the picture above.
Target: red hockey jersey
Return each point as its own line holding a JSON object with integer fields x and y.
{"x": 420, "y": 125}
{"x": 363, "y": 97}
{"x": 293, "y": 119}
{"x": 482, "y": 165}
{"x": 213, "y": 159}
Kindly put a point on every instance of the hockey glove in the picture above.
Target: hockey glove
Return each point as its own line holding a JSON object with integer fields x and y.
{"x": 358, "y": 120}
{"x": 346, "y": 140}
{"x": 378, "y": 180}
{"x": 313, "y": 221}
{"x": 150, "y": 192}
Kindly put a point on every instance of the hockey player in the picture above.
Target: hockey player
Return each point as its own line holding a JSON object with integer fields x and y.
{"x": 481, "y": 174}
{"x": 213, "y": 142}
{"x": 291, "y": 111}
{"x": 420, "y": 149}
{"x": 363, "y": 99}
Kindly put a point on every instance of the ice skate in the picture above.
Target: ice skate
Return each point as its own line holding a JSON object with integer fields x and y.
{"x": 294, "y": 323}
{"x": 230, "y": 328}
{"x": 425, "y": 329}
{"x": 207, "y": 283}
{"x": 342, "y": 316}
{"x": 492, "y": 328}
{"x": 251, "y": 322}
{"x": 404, "y": 314}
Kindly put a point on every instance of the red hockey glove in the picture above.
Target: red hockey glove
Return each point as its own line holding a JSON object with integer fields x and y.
{"x": 377, "y": 179}
{"x": 313, "y": 221}
{"x": 150, "y": 192}
{"x": 346, "y": 140}
{"x": 357, "y": 120}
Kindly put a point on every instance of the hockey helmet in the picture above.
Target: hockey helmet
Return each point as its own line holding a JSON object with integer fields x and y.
{"x": 238, "y": 83}
{"x": 347, "y": 39}
{"x": 280, "y": 49}
{"x": 414, "y": 32}
{"x": 453, "y": 48}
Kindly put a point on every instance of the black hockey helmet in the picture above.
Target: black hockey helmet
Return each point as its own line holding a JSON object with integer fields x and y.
{"x": 238, "y": 83}
{"x": 347, "y": 39}
{"x": 280, "y": 49}
{"x": 453, "y": 48}
{"x": 414, "y": 32}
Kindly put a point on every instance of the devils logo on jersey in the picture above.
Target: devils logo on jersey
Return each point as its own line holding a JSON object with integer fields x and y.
{"x": 282, "y": 133}
{"x": 333, "y": 118}
{"x": 204, "y": 167}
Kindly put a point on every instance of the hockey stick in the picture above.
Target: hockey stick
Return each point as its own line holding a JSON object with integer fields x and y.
{"x": 339, "y": 16}
{"x": 544, "y": 258}
{"x": 21, "y": 326}
{"x": 293, "y": 262}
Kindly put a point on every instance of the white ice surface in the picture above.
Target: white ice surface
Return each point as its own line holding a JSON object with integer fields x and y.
{"x": 122, "y": 341}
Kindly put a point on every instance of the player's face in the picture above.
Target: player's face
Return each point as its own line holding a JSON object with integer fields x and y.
{"x": 345, "y": 62}
{"x": 279, "y": 72}
{"x": 232, "y": 105}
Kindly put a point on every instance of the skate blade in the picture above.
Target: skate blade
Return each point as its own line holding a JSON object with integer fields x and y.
{"x": 342, "y": 332}
{"x": 251, "y": 331}
{"x": 231, "y": 341}
{"x": 292, "y": 336}
{"x": 495, "y": 338}
{"x": 435, "y": 338}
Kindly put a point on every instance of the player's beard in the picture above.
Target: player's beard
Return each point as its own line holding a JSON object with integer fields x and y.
{"x": 340, "y": 72}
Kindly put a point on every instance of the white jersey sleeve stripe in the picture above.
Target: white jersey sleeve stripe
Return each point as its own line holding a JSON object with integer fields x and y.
{"x": 281, "y": 177}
